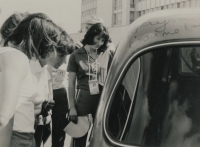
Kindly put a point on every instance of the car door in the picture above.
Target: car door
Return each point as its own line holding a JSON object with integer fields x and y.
{"x": 156, "y": 101}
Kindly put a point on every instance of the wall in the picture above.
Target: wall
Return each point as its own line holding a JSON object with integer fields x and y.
{"x": 171, "y": 4}
{"x": 105, "y": 11}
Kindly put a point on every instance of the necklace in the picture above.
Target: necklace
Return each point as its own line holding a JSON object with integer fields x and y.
{"x": 92, "y": 57}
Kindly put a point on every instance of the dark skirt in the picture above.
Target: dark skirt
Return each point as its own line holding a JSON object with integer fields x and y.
{"x": 59, "y": 117}
{"x": 85, "y": 104}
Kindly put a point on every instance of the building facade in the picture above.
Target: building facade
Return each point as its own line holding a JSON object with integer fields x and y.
{"x": 119, "y": 14}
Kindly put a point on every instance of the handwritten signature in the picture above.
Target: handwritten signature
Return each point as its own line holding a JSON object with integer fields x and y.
{"x": 191, "y": 27}
{"x": 161, "y": 30}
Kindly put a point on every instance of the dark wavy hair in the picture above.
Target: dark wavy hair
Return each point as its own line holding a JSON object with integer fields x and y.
{"x": 65, "y": 44}
{"x": 11, "y": 23}
{"x": 37, "y": 35}
{"x": 96, "y": 30}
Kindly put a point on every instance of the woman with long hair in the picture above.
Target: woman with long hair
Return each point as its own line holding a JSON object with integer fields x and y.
{"x": 89, "y": 66}
{"x": 36, "y": 37}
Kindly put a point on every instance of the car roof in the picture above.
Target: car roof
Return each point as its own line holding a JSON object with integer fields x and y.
{"x": 159, "y": 27}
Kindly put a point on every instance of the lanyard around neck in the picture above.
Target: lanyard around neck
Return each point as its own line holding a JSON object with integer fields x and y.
{"x": 90, "y": 67}
{"x": 90, "y": 55}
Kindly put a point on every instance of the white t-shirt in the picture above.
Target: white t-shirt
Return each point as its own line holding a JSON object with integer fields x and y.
{"x": 24, "y": 114}
{"x": 41, "y": 81}
{"x": 60, "y": 76}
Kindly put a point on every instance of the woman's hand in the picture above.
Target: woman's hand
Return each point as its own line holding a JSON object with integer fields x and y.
{"x": 47, "y": 119}
{"x": 73, "y": 115}
{"x": 37, "y": 109}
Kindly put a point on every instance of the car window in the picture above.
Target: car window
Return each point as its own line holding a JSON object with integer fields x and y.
{"x": 157, "y": 103}
{"x": 121, "y": 105}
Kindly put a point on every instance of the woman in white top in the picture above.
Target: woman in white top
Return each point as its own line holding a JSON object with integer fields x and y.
{"x": 37, "y": 37}
{"x": 6, "y": 29}
{"x": 60, "y": 84}
{"x": 44, "y": 73}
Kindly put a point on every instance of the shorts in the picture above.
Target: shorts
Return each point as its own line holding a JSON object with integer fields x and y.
{"x": 22, "y": 139}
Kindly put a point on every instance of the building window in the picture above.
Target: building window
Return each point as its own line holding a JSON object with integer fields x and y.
{"x": 117, "y": 4}
{"x": 139, "y": 13}
{"x": 95, "y": 11}
{"x": 118, "y": 18}
{"x": 132, "y": 3}
{"x": 131, "y": 17}
{"x": 178, "y": 5}
{"x": 143, "y": 12}
{"x": 82, "y": 25}
{"x": 162, "y": 8}
{"x": 184, "y": 4}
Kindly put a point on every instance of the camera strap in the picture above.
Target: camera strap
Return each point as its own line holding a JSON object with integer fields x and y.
{"x": 93, "y": 83}
{"x": 48, "y": 87}
{"x": 90, "y": 69}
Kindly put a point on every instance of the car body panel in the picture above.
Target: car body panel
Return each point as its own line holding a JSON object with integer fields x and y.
{"x": 155, "y": 29}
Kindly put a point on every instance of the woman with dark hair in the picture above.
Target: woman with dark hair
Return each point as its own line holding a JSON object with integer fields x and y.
{"x": 61, "y": 106}
{"x": 88, "y": 65}
{"x": 45, "y": 73}
{"x": 10, "y": 24}
{"x": 36, "y": 37}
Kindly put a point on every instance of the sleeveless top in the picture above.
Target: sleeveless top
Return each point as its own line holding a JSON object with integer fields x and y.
{"x": 24, "y": 113}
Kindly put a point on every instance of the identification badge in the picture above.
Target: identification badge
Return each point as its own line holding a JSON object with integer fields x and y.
{"x": 95, "y": 67}
{"x": 94, "y": 87}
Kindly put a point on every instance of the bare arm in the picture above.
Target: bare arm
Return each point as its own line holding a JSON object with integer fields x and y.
{"x": 71, "y": 91}
{"x": 14, "y": 68}
{"x": 50, "y": 70}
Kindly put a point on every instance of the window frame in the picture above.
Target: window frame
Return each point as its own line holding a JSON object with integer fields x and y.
{"x": 120, "y": 78}
{"x": 178, "y": 5}
{"x": 132, "y": 13}
{"x": 117, "y": 22}
{"x": 116, "y": 6}
{"x": 130, "y": 108}
{"x": 132, "y": 3}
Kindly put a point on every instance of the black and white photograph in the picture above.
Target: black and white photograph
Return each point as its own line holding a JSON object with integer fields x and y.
{"x": 99, "y": 73}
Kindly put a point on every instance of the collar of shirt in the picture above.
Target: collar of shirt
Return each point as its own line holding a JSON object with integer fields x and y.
{"x": 41, "y": 79}
{"x": 36, "y": 68}
{"x": 81, "y": 51}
